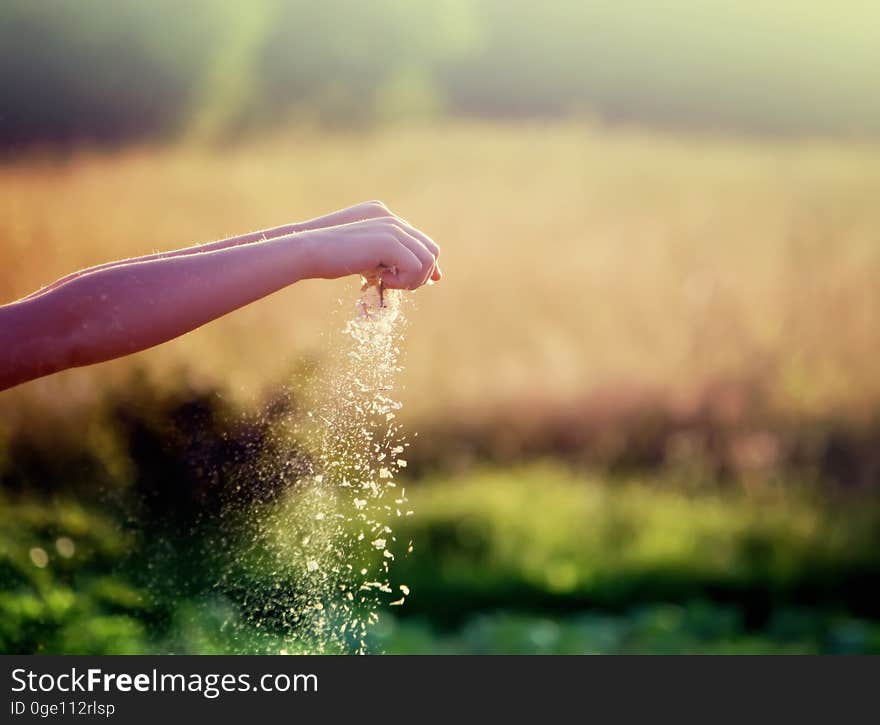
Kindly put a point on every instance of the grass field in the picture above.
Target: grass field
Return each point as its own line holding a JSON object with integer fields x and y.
{"x": 534, "y": 559}
{"x": 576, "y": 258}
{"x": 630, "y": 323}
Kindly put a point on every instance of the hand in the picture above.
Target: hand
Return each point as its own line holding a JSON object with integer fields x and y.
{"x": 356, "y": 213}
{"x": 405, "y": 256}
{"x": 122, "y": 307}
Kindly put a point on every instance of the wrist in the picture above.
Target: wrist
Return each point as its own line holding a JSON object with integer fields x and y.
{"x": 306, "y": 256}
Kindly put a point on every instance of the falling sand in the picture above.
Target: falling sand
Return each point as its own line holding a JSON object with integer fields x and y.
{"x": 329, "y": 542}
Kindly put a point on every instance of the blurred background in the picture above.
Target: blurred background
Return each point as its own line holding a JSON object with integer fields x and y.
{"x": 646, "y": 392}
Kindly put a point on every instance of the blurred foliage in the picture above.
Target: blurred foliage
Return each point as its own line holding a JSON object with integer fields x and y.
{"x": 464, "y": 600}
{"x": 89, "y": 70}
{"x": 95, "y": 70}
{"x": 698, "y": 627}
{"x": 713, "y": 524}
{"x": 158, "y": 554}
{"x": 550, "y": 539}
{"x": 57, "y": 596}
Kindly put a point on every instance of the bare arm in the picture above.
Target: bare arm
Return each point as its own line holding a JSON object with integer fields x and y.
{"x": 359, "y": 212}
{"x": 119, "y": 309}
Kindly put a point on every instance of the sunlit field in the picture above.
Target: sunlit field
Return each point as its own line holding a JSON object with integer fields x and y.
{"x": 576, "y": 259}
{"x": 645, "y": 392}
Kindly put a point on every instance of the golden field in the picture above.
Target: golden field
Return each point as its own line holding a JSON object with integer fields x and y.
{"x": 576, "y": 257}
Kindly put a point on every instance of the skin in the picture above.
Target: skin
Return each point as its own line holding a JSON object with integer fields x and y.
{"x": 122, "y": 307}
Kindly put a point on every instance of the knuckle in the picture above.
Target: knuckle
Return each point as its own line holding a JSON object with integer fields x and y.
{"x": 431, "y": 246}
{"x": 383, "y": 225}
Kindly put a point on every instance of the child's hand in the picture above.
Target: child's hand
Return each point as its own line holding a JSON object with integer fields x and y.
{"x": 121, "y": 307}
{"x": 405, "y": 256}
{"x": 356, "y": 213}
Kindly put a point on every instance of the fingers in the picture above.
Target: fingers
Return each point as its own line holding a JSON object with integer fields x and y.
{"x": 366, "y": 237}
{"x": 377, "y": 210}
{"x": 403, "y": 269}
{"x": 406, "y": 264}
{"x": 426, "y": 258}
{"x": 356, "y": 213}
{"x": 435, "y": 274}
{"x": 413, "y": 269}
{"x": 364, "y": 211}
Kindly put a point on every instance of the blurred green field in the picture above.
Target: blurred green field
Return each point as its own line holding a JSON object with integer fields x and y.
{"x": 536, "y": 559}
{"x": 696, "y": 628}
{"x": 646, "y": 389}
{"x": 699, "y": 353}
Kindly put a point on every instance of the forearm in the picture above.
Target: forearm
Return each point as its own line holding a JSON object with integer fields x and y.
{"x": 122, "y": 308}
{"x": 345, "y": 216}
{"x": 129, "y": 307}
{"x": 186, "y": 251}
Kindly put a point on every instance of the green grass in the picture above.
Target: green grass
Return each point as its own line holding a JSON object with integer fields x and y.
{"x": 697, "y": 627}
{"x": 548, "y": 539}
{"x": 76, "y": 603}
{"x": 534, "y": 559}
